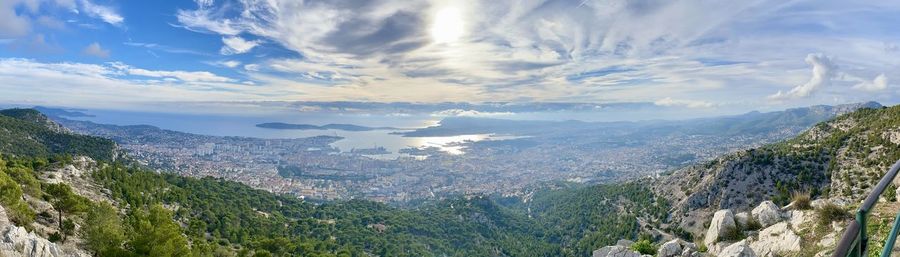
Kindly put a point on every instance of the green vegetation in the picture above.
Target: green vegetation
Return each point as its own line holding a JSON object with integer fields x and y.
{"x": 27, "y": 133}
{"x": 65, "y": 201}
{"x": 644, "y": 247}
{"x": 586, "y": 218}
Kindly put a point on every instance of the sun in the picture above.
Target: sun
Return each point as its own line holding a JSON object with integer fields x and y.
{"x": 447, "y": 26}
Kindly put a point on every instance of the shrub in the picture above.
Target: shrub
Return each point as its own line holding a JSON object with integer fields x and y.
{"x": 801, "y": 200}
{"x": 644, "y": 247}
{"x": 830, "y": 212}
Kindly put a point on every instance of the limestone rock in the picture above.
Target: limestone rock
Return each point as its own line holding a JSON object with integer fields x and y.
{"x": 16, "y": 241}
{"x": 742, "y": 218}
{"x": 797, "y": 218}
{"x": 27, "y": 244}
{"x": 625, "y": 242}
{"x": 776, "y": 240}
{"x": 615, "y": 251}
{"x": 767, "y": 213}
{"x": 670, "y": 249}
{"x": 722, "y": 222}
{"x": 739, "y": 249}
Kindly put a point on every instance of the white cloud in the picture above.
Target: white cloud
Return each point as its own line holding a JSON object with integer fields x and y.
{"x": 539, "y": 50}
{"x": 104, "y": 13}
{"x": 108, "y": 85}
{"x": 237, "y": 45}
{"x": 880, "y": 83}
{"x": 468, "y": 113}
{"x": 229, "y": 64}
{"x": 251, "y": 67}
{"x": 188, "y": 76}
{"x": 670, "y": 102}
{"x": 95, "y": 50}
{"x": 823, "y": 71}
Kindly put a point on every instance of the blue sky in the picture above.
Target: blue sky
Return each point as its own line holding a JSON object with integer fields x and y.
{"x": 711, "y": 55}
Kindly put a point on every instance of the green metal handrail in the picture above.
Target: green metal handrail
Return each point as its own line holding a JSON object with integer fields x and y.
{"x": 855, "y": 241}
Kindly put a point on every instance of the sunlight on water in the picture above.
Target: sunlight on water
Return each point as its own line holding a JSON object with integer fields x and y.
{"x": 448, "y": 144}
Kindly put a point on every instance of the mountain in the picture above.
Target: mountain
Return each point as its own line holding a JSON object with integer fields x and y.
{"x": 27, "y": 132}
{"x": 838, "y": 159}
{"x": 796, "y": 119}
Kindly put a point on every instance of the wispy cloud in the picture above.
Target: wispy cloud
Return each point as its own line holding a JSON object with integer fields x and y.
{"x": 554, "y": 50}
{"x": 237, "y": 45}
{"x": 105, "y": 13}
{"x": 166, "y": 48}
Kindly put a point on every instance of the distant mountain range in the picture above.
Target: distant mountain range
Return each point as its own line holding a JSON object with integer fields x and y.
{"x": 752, "y": 122}
{"x": 344, "y": 127}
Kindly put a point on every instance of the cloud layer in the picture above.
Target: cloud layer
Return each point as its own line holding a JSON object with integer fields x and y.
{"x": 672, "y": 53}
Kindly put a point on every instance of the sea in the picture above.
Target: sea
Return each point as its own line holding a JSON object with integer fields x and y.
{"x": 245, "y": 126}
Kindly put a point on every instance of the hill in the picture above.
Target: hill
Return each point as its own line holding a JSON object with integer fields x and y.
{"x": 838, "y": 159}
{"x": 26, "y": 132}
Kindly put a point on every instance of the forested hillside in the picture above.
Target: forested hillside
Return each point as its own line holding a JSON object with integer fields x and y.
{"x": 133, "y": 211}
{"x": 26, "y": 132}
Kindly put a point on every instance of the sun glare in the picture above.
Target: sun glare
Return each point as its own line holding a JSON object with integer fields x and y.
{"x": 447, "y": 26}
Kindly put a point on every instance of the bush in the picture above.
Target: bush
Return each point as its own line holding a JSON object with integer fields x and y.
{"x": 644, "y": 247}
{"x": 801, "y": 200}
{"x": 830, "y": 212}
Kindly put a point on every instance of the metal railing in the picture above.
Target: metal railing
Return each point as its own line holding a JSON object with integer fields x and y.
{"x": 855, "y": 241}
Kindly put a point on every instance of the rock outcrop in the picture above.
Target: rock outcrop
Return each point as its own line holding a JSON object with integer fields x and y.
{"x": 739, "y": 249}
{"x": 776, "y": 240}
{"x": 722, "y": 222}
{"x": 670, "y": 249}
{"x": 767, "y": 213}
{"x": 18, "y": 242}
{"x": 615, "y": 251}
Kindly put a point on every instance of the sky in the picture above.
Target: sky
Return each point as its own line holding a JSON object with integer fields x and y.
{"x": 692, "y": 54}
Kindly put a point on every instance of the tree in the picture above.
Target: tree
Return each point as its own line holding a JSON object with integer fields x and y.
{"x": 65, "y": 201}
{"x": 11, "y": 199}
{"x": 155, "y": 234}
{"x": 103, "y": 230}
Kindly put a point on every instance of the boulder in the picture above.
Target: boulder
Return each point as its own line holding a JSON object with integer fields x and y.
{"x": 797, "y": 218}
{"x": 776, "y": 240}
{"x": 624, "y": 242}
{"x": 614, "y": 251}
{"x": 739, "y": 249}
{"x": 722, "y": 222}
{"x": 670, "y": 249}
{"x": 742, "y": 218}
{"x": 767, "y": 213}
